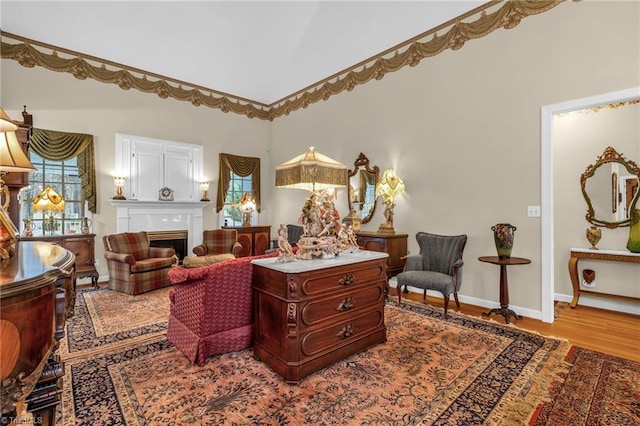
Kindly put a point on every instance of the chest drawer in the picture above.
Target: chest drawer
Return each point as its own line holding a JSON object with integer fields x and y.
{"x": 342, "y": 333}
{"x": 319, "y": 283}
{"x": 82, "y": 250}
{"x": 338, "y": 307}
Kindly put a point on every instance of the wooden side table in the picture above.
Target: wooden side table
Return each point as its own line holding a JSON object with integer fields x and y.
{"x": 504, "y": 285}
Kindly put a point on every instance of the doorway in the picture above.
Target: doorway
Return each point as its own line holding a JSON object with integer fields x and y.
{"x": 547, "y": 254}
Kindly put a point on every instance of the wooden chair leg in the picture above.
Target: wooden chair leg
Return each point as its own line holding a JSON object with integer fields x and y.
{"x": 446, "y": 303}
{"x": 455, "y": 295}
{"x": 399, "y": 291}
{"x": 424, "y": 295}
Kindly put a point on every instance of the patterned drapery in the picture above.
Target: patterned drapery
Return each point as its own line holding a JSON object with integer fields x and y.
{"x": 242, "y": 166}
{"x": 60, "y": 146}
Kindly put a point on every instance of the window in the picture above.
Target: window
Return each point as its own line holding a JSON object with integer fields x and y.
{"x": 237, "y": 175}
{"x": 238, "y": 186}
{"x": 63, "y": 177}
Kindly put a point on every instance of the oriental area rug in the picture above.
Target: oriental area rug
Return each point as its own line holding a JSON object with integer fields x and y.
{"x": 458, "y": 370}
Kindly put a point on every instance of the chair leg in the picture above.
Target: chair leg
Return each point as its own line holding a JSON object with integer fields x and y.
{"x": 424, "y": 295}
{"x": 446, "y": 303}
{"x": 455, "y": 295}
{"x": 399, "y": 291}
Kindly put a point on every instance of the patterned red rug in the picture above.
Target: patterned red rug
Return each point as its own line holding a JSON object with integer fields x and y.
{"x": 599, "y": 389}
{"x": 456, "y": 371}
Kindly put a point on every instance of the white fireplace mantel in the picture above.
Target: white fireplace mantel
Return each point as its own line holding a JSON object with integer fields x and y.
{"x": 134, "y": 216}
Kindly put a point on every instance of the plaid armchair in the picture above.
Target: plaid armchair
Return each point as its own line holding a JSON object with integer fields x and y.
{"x": 219, "y": 241}
{"x": 211, "y": 308}
{"x": 134, "y": 266}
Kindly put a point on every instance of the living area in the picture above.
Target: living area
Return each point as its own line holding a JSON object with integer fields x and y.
{"x": 462, "y": 128}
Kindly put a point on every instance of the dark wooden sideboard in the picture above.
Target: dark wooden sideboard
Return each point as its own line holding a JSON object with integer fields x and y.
{"x": 32, "y": 318}
{"x": 255, "y": 240}
{"x": 83, "y": 248}
{"x": 310, "y": 314}
{"x": 395, "y": 245}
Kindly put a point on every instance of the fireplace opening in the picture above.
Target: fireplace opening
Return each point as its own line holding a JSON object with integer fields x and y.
{"x": 176, "y": 240}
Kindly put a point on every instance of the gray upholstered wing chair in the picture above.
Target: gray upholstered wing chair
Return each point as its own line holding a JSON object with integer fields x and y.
{"x": 438, "y": 266}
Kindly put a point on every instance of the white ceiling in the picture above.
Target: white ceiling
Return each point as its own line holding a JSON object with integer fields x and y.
{"x": 260, "y": 50}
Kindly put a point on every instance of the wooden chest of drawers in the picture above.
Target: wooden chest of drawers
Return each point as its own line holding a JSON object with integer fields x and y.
{"x": 311, "y": 314}
{"x": 393, "y": 244}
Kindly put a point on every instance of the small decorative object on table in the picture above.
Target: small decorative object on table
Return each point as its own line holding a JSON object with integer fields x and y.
{"x": 593, "y": 236}
{"x": 85, "y": 226}
{"x": 503, "y": 234}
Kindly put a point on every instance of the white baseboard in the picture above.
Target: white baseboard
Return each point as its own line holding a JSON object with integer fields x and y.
{"x": 585, "y": 300}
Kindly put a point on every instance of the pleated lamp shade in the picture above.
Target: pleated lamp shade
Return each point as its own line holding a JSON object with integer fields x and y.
{"x": 12, "y": 158}
{"x": 311, "y": 171}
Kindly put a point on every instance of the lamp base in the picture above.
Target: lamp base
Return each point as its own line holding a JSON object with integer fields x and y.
{"x": 119, "y": 197}
{"x": 246, "y": 218}
{"x": 205, "y": 200}
{"x": 386, "y": 228}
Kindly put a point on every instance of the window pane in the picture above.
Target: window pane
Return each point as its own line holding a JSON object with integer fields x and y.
{"x": 63, "y": 177}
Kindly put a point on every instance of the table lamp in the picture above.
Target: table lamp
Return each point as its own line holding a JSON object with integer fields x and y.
{"x": 49, "y": 201}
{"x": 12, "y": 159}
{"x": 204, "y": 187}
{"x": 319, "y": 174}
{"x": 247, "y": 206}
{"x": 388, "y": 187}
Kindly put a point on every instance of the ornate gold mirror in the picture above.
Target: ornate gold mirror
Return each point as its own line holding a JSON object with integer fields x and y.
{"x": 610, "y": 188}
{"x": 362, "y": 188}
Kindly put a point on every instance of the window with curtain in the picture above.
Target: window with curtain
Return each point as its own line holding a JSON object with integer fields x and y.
{"x": 66, "y": 163}
{"x": 237, "y": 176}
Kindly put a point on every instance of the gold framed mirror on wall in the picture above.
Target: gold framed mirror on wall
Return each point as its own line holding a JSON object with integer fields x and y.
{"x": 610, "y": 189}
{"x": 362, "y": 188}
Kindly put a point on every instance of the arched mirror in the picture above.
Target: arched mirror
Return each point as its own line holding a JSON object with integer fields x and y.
{"x": 610, "y": 188}
{"x": 362, "y": 188}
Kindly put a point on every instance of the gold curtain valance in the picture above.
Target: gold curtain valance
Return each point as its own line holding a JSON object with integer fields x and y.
{"x": 242, "y": 166}
{"x": 60, "y": 146}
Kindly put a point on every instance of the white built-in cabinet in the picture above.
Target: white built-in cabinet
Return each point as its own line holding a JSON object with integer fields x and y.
{"x": 151, "y": 164}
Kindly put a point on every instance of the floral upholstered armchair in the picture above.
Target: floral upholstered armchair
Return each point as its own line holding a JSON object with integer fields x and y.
{"x": 211, "y": 308}
{"x": 218, "y": 241}
{"x": 134, "y": 266}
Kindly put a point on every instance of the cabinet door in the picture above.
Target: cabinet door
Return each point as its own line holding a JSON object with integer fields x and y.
{"x": 147, "y": 166}
{"x": 178, "y": 172}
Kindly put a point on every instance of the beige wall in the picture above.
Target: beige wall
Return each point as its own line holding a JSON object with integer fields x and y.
{"x": 462, "y": 129}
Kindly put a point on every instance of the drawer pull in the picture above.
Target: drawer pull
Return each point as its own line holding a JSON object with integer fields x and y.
{"x": 347, "y": 331}
{"x": 347, "y": 279}
{"x": 345, "y": 304}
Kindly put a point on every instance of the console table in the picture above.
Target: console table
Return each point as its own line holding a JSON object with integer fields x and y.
{"x": 310, "y": 314}
{"x": 255, "y": 240}
{"x": 609, "y": 255}
{"x": 32, "y": 317}
{"x": 504, "y": 285}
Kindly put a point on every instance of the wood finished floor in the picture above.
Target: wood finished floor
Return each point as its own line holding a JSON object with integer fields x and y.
{"x": 600, "y": 330}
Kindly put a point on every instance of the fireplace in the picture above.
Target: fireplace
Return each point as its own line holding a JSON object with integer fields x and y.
{"x": 176, "y": 240}
{"x": 163, "y": 217}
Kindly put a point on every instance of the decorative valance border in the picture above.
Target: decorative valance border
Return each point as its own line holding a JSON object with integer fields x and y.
{"x": 31, "y": 53}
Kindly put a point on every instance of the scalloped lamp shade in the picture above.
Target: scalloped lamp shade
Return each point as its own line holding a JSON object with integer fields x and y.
{"x": 48, "y": 200}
